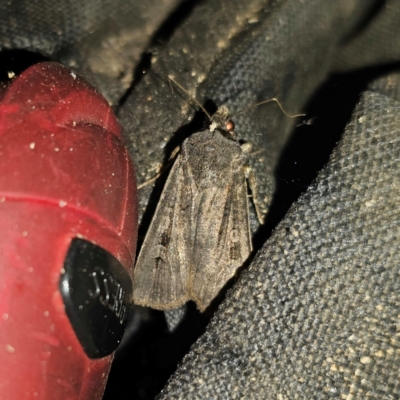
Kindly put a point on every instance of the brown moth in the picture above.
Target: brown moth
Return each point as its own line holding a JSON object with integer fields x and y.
{"x": 200, "y": 234}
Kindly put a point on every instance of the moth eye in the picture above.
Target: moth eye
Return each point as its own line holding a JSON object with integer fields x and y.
{"x": 230, "y": 126}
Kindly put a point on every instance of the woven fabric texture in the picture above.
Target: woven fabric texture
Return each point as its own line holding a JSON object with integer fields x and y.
{"x": 316, "y": 314}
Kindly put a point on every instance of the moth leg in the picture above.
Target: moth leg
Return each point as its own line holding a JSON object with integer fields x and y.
{"x": 171, "y": 159}
{"x": 253, "y": 187}
{"x": 247, "y": 149}
{"x": 151, "y": 180}
{"x": 174, "y": 153}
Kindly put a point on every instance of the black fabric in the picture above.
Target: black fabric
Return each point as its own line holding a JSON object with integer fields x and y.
{"x": 101, "y": 39}
{"x": 274, "y": 51}
{"x": 315, "y": 315}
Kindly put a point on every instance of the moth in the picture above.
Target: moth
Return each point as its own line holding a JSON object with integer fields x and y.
{"x": 199, "y": 235}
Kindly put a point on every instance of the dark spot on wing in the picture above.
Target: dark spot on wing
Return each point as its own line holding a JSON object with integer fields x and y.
{"x": 234, "y": 251}
{"x": 157, "y": 262}
{"x": 164, "y": 240}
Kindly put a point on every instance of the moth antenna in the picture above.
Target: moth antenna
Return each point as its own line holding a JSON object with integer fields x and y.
{"x": 190, "y": 97}
{"x": 268, "y": 101}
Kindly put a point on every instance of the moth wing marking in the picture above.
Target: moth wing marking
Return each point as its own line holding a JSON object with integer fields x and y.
{"x": 160, "y": 277}
{"x": 222, "y": 239}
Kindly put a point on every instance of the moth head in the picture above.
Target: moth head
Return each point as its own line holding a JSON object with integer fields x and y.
{"x": 221, "y": 120}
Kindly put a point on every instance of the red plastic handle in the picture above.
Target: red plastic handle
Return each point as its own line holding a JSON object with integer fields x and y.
{"x": 65, "y": 174}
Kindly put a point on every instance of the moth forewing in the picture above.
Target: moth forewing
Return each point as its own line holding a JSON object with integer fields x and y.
{"x": 222, "y": 240}
{"x": 162, "y": 269}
